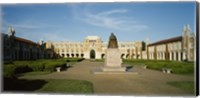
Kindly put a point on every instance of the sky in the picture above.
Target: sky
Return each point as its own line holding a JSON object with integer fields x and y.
{"x": 74, "y": 21}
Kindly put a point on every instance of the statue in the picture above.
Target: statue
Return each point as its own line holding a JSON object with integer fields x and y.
{"x": 112, "y": 41}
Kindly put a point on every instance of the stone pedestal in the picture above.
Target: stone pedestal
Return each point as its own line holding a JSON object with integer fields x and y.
{"x": 113, "y": 60}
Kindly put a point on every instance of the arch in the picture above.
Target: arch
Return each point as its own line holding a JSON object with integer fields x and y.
{"x": 127, "y": 55}
{"x": 82, "y": 55}
{"x": 63, "y": 55}
{"x": 102, "y": 56}
{"x": 68, "y": 55}
{"x": 77, "y": 55}
{"x": 132, "y": 56}
{"x": 92, "y": 54}
{"x": 181, "y": 56}
{"x": 122, "y": 56}
{"x": 177, "y": 56}
{"x": 72, "y": 55}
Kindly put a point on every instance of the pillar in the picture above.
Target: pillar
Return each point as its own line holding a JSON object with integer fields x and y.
{"x": 163, "y": 56}
{"x": 170, "y": 56}
{"x": 175, "y": 56}
{"x": 179, "y": 56}
{"x": 184, "y": 55}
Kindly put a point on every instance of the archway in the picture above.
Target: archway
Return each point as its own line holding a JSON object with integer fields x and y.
{"x": 82, "y": 55}
{"x": 72, "y": 55}
{"x": 92, "y": 54}
{"x": 77, "y": 55}
{"x": 102, "y": 56}
{"x": 122, "y": 56}
{"x": 68, "y": 55}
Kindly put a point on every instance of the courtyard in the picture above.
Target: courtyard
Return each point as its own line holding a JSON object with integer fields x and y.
{"x": 146, "y": 82}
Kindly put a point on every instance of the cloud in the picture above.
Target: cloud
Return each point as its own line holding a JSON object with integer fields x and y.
{"x": 113, "y": 19}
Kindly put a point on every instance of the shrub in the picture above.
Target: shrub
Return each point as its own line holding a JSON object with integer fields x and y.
{"x": 9, "y": 71}
{"x": 37, "y": 66}
{"x": 51, "y": 66}
{"x": 22, "y": 69}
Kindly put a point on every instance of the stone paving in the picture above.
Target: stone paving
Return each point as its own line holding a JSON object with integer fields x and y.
{"x": 146, "y": 82}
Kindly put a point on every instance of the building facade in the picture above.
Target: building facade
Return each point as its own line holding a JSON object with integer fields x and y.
{"x": 180, "y": 48}
{"x": 16, "y": 48}
{"x": 93, "y": 48}
{"x": 174, "y": 49}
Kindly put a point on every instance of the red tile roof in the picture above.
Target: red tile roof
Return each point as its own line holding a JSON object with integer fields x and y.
{"x": 174, "y": 39}
{"x": 26, "y": 41}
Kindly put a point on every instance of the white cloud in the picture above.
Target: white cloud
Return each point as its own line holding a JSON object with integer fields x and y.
{"x": 113, "y": 19}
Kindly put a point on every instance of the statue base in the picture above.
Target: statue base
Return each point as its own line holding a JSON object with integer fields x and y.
{"x": 111, "y": 69}
{"x": 113, "y": 60}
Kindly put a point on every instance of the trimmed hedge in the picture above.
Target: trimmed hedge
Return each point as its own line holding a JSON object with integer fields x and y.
{"x": 11, "y": 69}
{"x": 37, "y": 66}
{"x": 51, "y": 66}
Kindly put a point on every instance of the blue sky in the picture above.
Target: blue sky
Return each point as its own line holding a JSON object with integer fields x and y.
{"x": 75, "y": 21}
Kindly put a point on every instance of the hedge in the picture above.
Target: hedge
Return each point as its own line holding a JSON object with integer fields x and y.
{"x": 37, "y": 66}
{"x": 11, "y": 69}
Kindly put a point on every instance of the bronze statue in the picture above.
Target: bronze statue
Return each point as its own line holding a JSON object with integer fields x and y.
{"x": 112, "y": 41}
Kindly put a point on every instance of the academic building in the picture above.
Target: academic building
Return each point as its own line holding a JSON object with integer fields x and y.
{"x": 16, "y": 48}
{"x": 178, "y": 48}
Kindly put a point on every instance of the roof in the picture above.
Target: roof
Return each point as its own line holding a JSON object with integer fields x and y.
{"x": 174, "y": 39}
{"x": 25, "y": 41}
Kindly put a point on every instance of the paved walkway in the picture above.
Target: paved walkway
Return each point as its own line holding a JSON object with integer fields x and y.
{"x": 146, "y": 82}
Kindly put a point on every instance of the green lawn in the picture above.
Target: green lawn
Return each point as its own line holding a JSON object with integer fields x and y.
{"x": 67, "y": 86}
{"x": 47, "y": 86}
{"x": 184, "y": 85}
{"x": 176, "y": 67}
{"x": 35, "y": 73}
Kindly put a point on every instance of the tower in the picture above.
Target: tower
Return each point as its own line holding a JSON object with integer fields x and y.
{"x": 185, "y": 41}
{"x": 11, "y": 31}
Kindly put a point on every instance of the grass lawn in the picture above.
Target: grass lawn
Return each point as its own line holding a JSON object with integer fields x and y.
{"x": 184, "y": 85}
{"x": 186, "y": 68}
{"x": 35, "y": 73}
{"x": 47, "y": 86}
{"x": 67, "y": 86}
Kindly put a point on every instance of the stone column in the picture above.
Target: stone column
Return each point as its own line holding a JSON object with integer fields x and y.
{"x": 163, "y": 56}
{"x": 158, "y": 55}
{"x": 170, "y": 56}
{"x": 150, "y": 56}
{"x": 179, "y": 56}
{"x": 184, "y": 55}
{"x": 175, "y": 56}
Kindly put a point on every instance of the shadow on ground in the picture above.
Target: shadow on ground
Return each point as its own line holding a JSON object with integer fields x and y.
{"x": 19, "y": 85}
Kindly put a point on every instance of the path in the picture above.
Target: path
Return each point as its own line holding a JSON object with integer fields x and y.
{"x": 146, "y": 82}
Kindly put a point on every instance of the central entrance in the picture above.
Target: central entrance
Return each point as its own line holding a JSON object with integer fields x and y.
{"x": 92, "y": 54}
